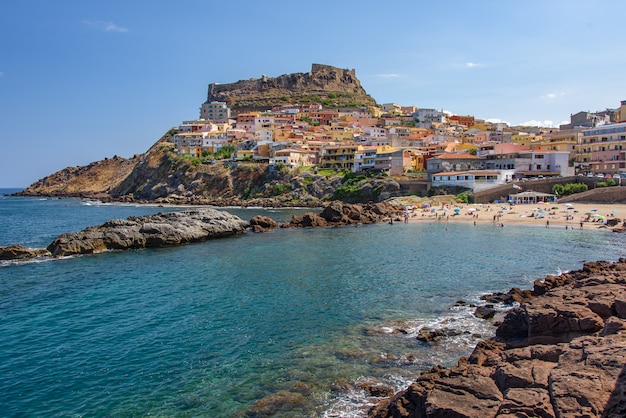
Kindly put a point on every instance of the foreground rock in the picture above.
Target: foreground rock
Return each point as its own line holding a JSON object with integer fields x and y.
{"x": 18, "y": 252}
{"x": 561, "y": 353}
{"x": 160, "y": 230}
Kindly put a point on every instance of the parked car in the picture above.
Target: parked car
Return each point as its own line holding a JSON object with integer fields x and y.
{"x": 600, "y": 175}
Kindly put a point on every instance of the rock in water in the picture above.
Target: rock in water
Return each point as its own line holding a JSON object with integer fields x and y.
{"x": 160, "y": 230}
{"x": 17, "y": 252}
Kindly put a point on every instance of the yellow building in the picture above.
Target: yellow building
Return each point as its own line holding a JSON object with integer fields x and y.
{"x": 340, "y": 157}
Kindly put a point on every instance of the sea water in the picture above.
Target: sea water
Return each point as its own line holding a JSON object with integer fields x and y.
{"x": 284, "y": 323}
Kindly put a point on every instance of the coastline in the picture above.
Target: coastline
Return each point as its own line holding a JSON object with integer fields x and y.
{"x": 561, "y": 352}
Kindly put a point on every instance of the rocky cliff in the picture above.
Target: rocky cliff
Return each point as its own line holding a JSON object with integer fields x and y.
{"x": 561, "y": 353}
{"x": 98, "y": 178}
{"x": 334, "y": 87}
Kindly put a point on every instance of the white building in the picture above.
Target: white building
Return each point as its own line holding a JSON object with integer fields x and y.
{"x": 424, "y": 118}
{"x": 476, "y": 180}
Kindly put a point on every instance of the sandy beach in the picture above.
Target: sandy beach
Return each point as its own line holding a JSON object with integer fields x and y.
{"x": 552, "y": 215}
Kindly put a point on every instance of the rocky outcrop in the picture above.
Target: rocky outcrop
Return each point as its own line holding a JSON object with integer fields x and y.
{"x": 262, "y": 223}
{"x": 334, "y": 87}
{"x": 561, "y": 353}
{"x": 336, "y": 213}
{"x": 160, "y": 230}
{"x": 18, "y": 252}
{"x": 93, "y": 180}
{"x": 340, "y": 213}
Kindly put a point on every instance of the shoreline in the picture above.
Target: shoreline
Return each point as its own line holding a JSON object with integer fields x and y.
{"x": 551, "y": 215}
{"x": 560, "y": 352}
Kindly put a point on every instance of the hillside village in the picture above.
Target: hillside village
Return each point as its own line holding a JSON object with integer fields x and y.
{"x": 423, "y": 143}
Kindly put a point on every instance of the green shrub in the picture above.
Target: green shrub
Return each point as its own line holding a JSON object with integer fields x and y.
{"x": 326, "y": 172}
{"x": 568, "y": 189}
{"x": 462, "y": 198}
{"x": 281, "y": 189}
{"x": 224, "y": 152}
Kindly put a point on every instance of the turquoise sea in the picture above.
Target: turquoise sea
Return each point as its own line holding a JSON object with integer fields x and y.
{"x": 278, "y": 324}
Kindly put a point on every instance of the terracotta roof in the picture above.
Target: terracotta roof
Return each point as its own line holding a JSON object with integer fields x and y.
{"x": 457, "y": 156}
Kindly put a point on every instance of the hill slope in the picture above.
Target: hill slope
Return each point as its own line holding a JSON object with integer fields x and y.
{"x": 162, "y": 176}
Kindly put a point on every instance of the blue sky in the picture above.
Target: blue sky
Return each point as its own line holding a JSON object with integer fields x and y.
{"x": 85, "y": 80}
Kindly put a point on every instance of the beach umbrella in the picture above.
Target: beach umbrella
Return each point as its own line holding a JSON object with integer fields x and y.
{"x": 569, "y": 205}
{"x": 594, "y": 210}
{"x": 570, "y": 208}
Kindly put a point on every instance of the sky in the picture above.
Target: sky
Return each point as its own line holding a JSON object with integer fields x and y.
{"x": 84, "y": 80}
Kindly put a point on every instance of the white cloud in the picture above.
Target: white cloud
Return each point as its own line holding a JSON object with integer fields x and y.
{"x": 104, "y": 26}
{"x": 538, "y": 123}
{"x": 496, "y": 120}
{"x": 392, "y": 75}
{"x": 474, "y": 65}
{"x": 448, "y": 113}
{"x": 550, "y": 96}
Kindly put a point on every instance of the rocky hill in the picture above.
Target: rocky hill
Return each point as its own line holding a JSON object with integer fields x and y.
{"x": 162, "y": 176}
{"x": 331, "y": 86}
{"x": 95, "y": 179}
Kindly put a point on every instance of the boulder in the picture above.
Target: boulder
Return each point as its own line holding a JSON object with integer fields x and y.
{"x": 485, "y": 312}
{"x": 160, "y": 230}
{"x": 18, "y": 252}
{"x": 262, "y": 223}
{"x": 579, "y": 372}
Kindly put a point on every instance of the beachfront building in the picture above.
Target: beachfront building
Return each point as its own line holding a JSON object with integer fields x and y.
{"x": 525, "y": 162}
{"x": 364, "y": 158}
{"x": 339, "y": 157}
{"x": 477, "y": 180}
{"x": 531, "y": 197}
{"x": 602, "y": 150}
{"x": 454, "y": 162}
{"x": 391, "y": 160}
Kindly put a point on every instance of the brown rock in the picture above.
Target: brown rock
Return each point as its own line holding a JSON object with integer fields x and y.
{"x": 485, "y": 312}
{"x": 264, "y": 222}
{"x": 528, "y": 402}
{"x": 18, "y": 252}
{"x": 584, "y": 375}
{"x": 587, "y": 375}
{"x": 374, "y": 387}
{"x": 280, "y": 401}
